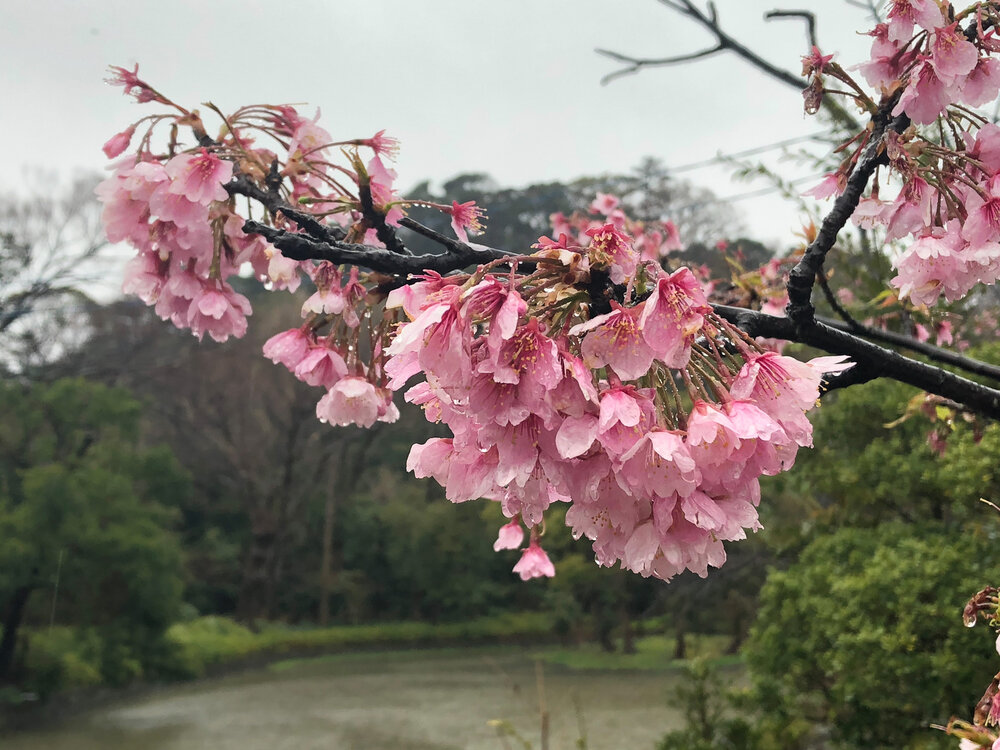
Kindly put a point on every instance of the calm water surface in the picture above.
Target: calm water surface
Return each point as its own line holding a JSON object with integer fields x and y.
{"x": 403, "y": 701}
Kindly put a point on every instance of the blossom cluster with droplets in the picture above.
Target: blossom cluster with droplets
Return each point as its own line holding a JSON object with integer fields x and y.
{"x": 652, "y": 240}
{"x": 653, "y": 421}
{"x": 934, "y": 65}
{"x": 170, "y": 202}
{"x": 579, "y": 373}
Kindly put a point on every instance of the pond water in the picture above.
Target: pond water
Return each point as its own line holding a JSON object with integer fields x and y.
{"x": 418, "y": 700}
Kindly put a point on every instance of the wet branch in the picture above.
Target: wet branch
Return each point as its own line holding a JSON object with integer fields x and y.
{"x": 871, "y": 361}
{"x": 299, "y": 246}
{"x": 803, "y": 276}
{"x": 385, "y": 233}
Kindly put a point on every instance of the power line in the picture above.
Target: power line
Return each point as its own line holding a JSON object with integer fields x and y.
{"x": 750, "y": 194}
{"x": 719, "y": 158}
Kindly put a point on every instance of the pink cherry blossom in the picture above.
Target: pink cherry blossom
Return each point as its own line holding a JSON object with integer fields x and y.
{"x": 200, "y": 177}
{"x": 322, "y": 366}
{"x": 982, "y": 85}
{"x": 603, "y": 204}
{"x": 465, "y": 218}
{"x": 352, "y": 400}
{"x": 384, "y": 145}
{"x": 218, "y": 311}
{"x": 672, "y": 240}
{"x": 925, "y": 97}
{"x": 831, "y": 185}
{"x": 529, "y": 359}
{"x": 534, "y": 563}
{"x": 133, "y": 85}
{"x": 952, "y": 55}
{"x": 118, "y": 143}
{"x": 612, "y": 249}
{"x": 904, "y": 14}
{"x": 144, "y": 277}
{"x": 510, "y": 537}
{"x": 288, "y": 347}
{"x": 383, "y": 195}
{"x": 329, "y": 296}
{"x": 983, "y": 214}
{"x": 617, "y": 341}
{"x": 672, "y": 316}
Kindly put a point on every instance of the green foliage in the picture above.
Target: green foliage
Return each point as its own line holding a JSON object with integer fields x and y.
{"x": 410, "y": 554}
{"x": 865, "y": 473}
{"x": 84, "y": 535}
{"x": 863, "y": 635}
{"x": 708, "y": 720}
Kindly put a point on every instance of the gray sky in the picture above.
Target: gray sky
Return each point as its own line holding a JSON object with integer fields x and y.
{"x": 508, "y": 87}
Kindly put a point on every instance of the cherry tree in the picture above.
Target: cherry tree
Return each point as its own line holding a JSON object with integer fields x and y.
{"x": 593, "y": 368}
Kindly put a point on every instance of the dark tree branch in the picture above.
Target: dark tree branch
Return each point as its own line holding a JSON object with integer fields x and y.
{"x": 724, "y": 42}
{"x": 275, "y": 204}
{"x": 832, "y": 300}
{"x": 385, "y": 233}
{"x": 807, "y": 16}
{"x": 301, "y": 247}
{"x": 934, "y": 353}
{"x": 710, "y": 21}
{"x": 803, "y": 276}
{"x": 855, "y": 376}
{"x": 871, "y": 361}
{"x": 451, "y": 244}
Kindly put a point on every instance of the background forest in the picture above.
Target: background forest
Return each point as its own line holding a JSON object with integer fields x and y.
{"x": 167, "y": 506}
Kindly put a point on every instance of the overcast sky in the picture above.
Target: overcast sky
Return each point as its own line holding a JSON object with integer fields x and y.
{"x": 508, "y": 87}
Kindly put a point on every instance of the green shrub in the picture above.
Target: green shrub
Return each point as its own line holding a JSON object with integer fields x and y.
{"x": 863, "y": 637}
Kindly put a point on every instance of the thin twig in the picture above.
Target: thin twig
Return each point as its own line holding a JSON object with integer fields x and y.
{"x": 635, "y": 64}
{"x": 710, "y": 21}
{"x": 806, "y": 15}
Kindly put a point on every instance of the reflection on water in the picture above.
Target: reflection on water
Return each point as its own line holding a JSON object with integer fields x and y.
{"x": 405, "y": 701}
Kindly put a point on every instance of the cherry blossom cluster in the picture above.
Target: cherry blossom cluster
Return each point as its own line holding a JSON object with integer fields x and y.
{"x": 176, "y": 207}
{"x": 652, "y": 240}
{"x": 654, "y": 421}
{"x": 580, "y": 373}
{"x": 934, "y": 66}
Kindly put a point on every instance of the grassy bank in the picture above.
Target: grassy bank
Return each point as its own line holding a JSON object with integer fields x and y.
{"x": 64, "y": 659}
{"x": 210, "y": 641}
{"x": 653, "y": 652}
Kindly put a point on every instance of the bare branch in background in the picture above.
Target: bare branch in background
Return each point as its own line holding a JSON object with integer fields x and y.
{"x": 808, "y": 17}
{"x": 709, "y": 20}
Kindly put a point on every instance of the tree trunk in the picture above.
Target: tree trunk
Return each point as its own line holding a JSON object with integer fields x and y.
{"x": 11, "y": 623}
{"x": 326, "y": 577}
{"x": 680, "y": 645}
{"x": 738, "y": 636}
{"x": 342, "y": 478}
{"x": 628, "y": 635}
{"x": 258, "y": 567}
